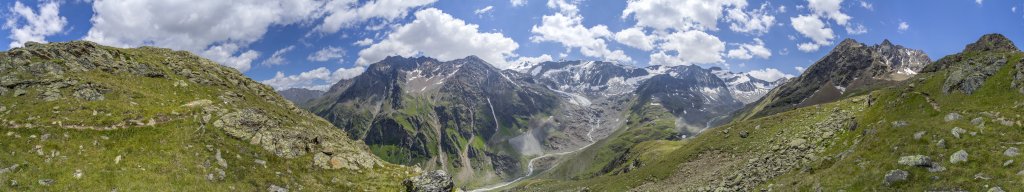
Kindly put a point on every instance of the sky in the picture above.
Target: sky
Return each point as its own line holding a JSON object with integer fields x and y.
{"x": 315, "y": 43}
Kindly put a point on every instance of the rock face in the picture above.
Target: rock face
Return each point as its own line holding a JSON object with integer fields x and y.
{"x": 849, "y": 67}
{"x": 978, "y": 61}
{"x": 300, "y": 96}
{"x": 436, "y": 181}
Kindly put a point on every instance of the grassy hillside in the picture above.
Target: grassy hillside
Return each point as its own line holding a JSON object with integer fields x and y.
{"x": 78, "y": 116}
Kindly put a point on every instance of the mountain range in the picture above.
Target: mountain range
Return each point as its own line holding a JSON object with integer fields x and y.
{"x": 83, "y": 116}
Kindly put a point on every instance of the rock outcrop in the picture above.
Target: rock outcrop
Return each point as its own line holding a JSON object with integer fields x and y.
{"x": 435, "y": 181}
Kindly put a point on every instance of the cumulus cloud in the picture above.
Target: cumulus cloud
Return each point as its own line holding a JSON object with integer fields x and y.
{"x": 517, "y": 3}
{"x": 750, "y": 50}
{"x": 278, "y": 57}
{"x": 769, "y": 74}
{"x": 347, "y": 13}
{"x": 437, "y": 34}
{"x": 812, "y": 27}
{"x": 636, "y": 38}
{"x": 690, "y": 47}
{"x": 856, "y": 29}
{"x": 484, "y": 10}
{"x": 364, "y": 42}
{"x": 195, "y": 25}
{"x": 903, "y": 26}
{"x": 27, "y": 25}
{"x": 680, "y": 15}
{"x": 570, "y": 32}
{"x": 978, "y": 2}
{"x": 327, "y": 53}
{"x": 316, "y": 79}
{"x": 224, "y": 53}
{"x": 800, "y": 69}
{"x": 567, "y": 7}
{"x": 533, "y": 60}
{"x": 829, "y": 9}
{"x": 756, "y": 21}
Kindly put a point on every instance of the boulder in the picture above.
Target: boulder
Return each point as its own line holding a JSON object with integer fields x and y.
{"x": 898, "y": 124}
{"x": 959, "y": 156}
{"x": 996, "y": 189}
{"x": 1012, "y": 152}
{"x": 916, "y": 160}
{"x": 46, "y": 182}
{"x": 919, "y": 135}
{"x": 978, "y": 121}
{"x": 953, "y": 117}
{"x": 895, "y": 176}
{"x": 436, "y": 181}
{"x": 275, "y": 188}
{"x": 957, "y": 131}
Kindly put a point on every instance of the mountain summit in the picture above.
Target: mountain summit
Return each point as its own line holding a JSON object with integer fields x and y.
{"x": 850, "y": 67}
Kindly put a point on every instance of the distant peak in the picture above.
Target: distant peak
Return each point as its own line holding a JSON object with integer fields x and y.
{"x": 848, "y": 42}
{"x": 886, "y": 42}
{"x": 991, "y": 42}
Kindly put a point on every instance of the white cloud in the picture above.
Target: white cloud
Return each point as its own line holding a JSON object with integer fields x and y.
{"x": 903, "y": 26}
{"x": 812, "y": 27}
{"x": 978, "y": 2}
{"x": 27, "y": 25}
{"x": 800, "y": 69}
{"x": 769, "y": 74}
{"x": 347, "y": 13}
{"x": 224, "y": 53}
{"x": 278, "y": 57}
{"x": 439, "y": 35}
{"x": 808, "y": 47}
{"x": 567, "y": 7}
{"x": 196, "y": 25}
{"x": 518, "y": 3}
{"x": 327, "y": 53}
{"x": 364, "y": 42}
{"x": 570, "y": 32}
{"x": 856, "y": 29}
{"x": 867, "y": 5}
{"x": 484, "y": 10}
{"x": 316, "y": 79}
{"x": 756, "y": 21}
{"x": 636, "y": 38}
{"x": 1013, "y": 9}
{"x": 784, "y": 51}
{"x": 691, "y": 47}
{"x": 680, "y": 15}
{"x": 537, "y": 59}
{"x": 782, "y": 9}
{"x": 829, "y": 9}
{"x": 750, "y": 50}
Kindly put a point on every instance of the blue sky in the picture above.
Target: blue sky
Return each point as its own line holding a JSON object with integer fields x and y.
{"x": 314, "y": 43}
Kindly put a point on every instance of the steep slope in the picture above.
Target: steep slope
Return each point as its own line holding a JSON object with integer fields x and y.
{"x": 850, "y": 68}
{"x": 464, "y": 116}
{"x": 79, "y": 116}
{"x": 913, "y": 136}
{"x": 300, "y": 96}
